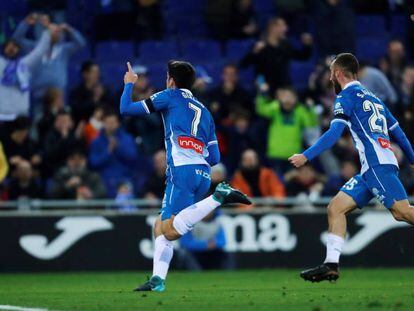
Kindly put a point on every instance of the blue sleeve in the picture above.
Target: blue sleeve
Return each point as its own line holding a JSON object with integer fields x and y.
{"x": 157, "y": 102}
{"x": 343, "y": 108}
{"x": 77, "y": 41}
{"x": 187, "y": 241}
{"x": 401, "y": 139}
{"x": 128, "y": 107}
{"x": 212, "y": 146}
{"x": 392, "y": 122}
{"x": 327, "y": 140}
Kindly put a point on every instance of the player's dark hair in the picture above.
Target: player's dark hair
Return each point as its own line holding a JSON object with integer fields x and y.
{"x": 183, "y": 73}
{"x": 348, "y": 63}
{"x": 87, "y": 65}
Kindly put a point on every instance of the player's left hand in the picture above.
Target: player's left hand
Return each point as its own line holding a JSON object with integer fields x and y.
{"x": 298, "y": 160}
{"x": 130, "y": 76}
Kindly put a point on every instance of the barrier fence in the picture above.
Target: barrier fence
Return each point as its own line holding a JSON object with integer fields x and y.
{"x": 50, "y": 237}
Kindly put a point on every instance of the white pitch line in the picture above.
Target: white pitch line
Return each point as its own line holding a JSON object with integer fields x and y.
{"x": 18, "y": 308}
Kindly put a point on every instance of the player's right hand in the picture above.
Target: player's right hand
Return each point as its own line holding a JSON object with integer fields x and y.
{"x": 130, "y": 76}
{"x": 298, "y": 160}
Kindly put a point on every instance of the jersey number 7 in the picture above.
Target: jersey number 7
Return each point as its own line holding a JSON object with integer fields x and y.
{"x": 196, "y": 119}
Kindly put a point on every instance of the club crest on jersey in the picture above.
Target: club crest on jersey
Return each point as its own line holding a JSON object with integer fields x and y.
{"x": 384, "y": 143}
{"x": 338, "y": 109}
{"x": 191, "y": 143}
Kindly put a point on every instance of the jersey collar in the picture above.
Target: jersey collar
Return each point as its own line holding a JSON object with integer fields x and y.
{"x": 351, "y": 84}
{"x": 187, "y": 91}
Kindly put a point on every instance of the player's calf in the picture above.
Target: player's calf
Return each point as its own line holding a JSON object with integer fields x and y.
{"x": 403, "y": 211}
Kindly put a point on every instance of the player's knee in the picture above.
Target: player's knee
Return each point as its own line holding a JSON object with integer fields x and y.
{"x": 169, "y": 232}
{"x": 334, "y": 208}
{"x": 401, "y": 215}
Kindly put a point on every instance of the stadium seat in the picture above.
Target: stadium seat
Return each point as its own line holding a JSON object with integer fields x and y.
{"x": 108, "y": 51}
{"x": 399, "y": 25}
{"x": 264, "y": 6}
{"x": 158, "y": 51}
{"x": 181, "y": 6}
{"x": 371, "y": 49}
{"x": 157, "y": 74}
{"x": 74, "y": 74}
{"x": 370, "y": 25}
{"x": 82, "y": 55}
{"x": 113, "y": 75}
{"x": 300, "y": 72}
{"x": 247, "y": 77}
{"x": 201, "y": 50}
{"x": 236, "y": 49}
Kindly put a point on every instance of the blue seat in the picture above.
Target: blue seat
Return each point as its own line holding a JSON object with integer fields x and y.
{"x": 157, "y": 74}
{"x": 264, "y": 6}
{"x": 82, "y": 55}
{"x": 113, "y": 75}
{"x": 214, "y": 71}
{"x": 181, "y": 6}
{"x": 371, "y": 49}
{"x": 399, "y": 25}
{"x": 158, "y": 51}
{"x": 370, "y": 25}
{"x": 300, "y": 72}
{"x": 74, "y": 74}
{"x": 108, "y": 51}
{"x": 201, "y": 50}
{"x": 237, "y": 49}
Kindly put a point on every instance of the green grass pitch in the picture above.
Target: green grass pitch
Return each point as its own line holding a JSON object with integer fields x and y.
{"x": 357, "y": 289}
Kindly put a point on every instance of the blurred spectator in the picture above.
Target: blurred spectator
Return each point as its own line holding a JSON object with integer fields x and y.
{"x": 289, "y": 121}
{"x": 113, "y": 153}
{"x": 295, "y": 13}
{"x": 89, "y": 94}
{"x": 406, "y": 173}
{"x": 154, "y": 188}
{"x": 406, "y": 92}
{"x": 55, "y": 8}
{"x": 19, "y": 146}
{"x": 24, "y": 185}
{"x": 335, "y": 182}
{"x": 272, "y": 56}
{"x": 255, "y": 180}
{"x": 15, "y": 74}
{"x": 148, "y": 20}
{"x": 201, "y": 84}
{"x": 203, "y": 247}
{"x": 304, "y": 182}
{"x": 377, "y": 82}
{"x": 394, "y": 62}
{"x": 218, "y": 174}
{"x": 62, "y": 138}
{"x": 124, "y": 195}
{"x": 230, "y": 96}
{"x": 75, "y": 181}
{"x": 93, "y": 127}
{"x": 4, "y": 166}
{"x": 52, "y": 70}
{"x": 243, "y": 19}
{"x": 335, "y": 27}
{"x": 238, "y": 136}
{"x": 53, "y": 102}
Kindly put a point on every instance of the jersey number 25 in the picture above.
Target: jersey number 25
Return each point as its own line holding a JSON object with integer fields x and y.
{"x": 376, "y": 116}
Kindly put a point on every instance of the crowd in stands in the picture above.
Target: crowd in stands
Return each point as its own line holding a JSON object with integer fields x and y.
{"x": 270, "y": 99}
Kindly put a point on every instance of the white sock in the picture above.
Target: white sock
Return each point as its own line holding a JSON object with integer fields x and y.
{"x": 163, "y": 253}
{"x": 334, "y": 245}
{"x": 188, "y": 217}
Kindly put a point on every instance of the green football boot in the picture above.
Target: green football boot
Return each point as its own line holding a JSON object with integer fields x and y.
{"x": 155, "y": 284}
{"x": 225, "y": 194}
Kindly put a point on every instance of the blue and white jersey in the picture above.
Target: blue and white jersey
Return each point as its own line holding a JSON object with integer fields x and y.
{"x": 369, "y": 121}
{"x": 188, "y": 126}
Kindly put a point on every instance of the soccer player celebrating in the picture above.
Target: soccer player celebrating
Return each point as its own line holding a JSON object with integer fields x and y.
{"x": 191, "y": 146}
{"x": 370, "y": 123}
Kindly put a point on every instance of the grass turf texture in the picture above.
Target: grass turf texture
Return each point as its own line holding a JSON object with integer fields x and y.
{"x": 358, "y": 289}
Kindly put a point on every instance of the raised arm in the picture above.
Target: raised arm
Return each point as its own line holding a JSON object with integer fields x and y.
{"x": 42, "y": 46}
{"x": 77, "y": 41}
{"x": 20, "y": 34}
{"x": 127, "y": 106}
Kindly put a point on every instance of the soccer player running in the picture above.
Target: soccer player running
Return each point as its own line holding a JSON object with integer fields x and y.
{"x": 370, "y": 123}
{"x": 191, "y": 146}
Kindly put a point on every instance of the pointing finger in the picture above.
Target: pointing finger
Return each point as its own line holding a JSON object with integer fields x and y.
{"x": 129, "y": 67}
